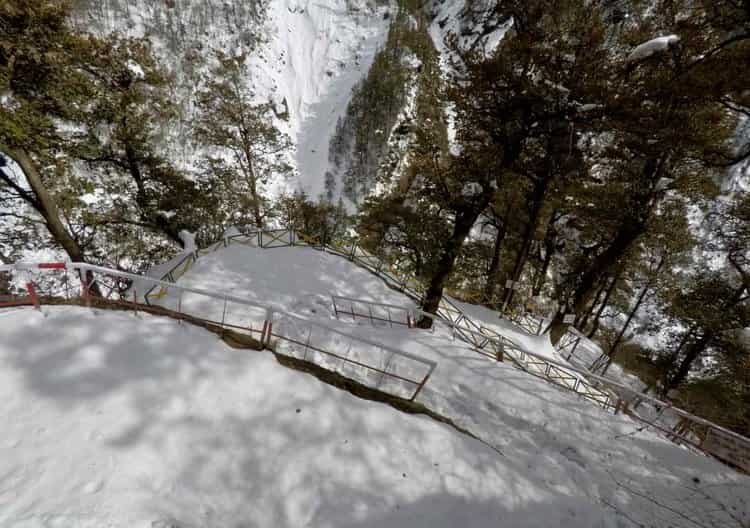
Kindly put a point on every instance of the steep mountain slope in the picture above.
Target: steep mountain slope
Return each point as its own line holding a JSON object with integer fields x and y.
{"x": 310, "y": 56}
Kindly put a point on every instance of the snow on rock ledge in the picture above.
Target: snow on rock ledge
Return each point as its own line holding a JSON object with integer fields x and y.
{"x": 656, "y": 45}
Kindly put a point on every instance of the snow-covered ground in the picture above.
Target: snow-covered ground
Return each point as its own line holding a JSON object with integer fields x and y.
{"x": 117, "y": 419}
{"x": 112, "y": 419}
{"x": 549, "y": 434}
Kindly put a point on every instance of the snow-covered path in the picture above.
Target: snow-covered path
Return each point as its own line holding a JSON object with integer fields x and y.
{"x": 118, "y": 419}
{"x": 561, "y": 439}
{"x": 112, "y": 419}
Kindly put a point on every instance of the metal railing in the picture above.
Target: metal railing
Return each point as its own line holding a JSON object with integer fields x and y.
{"x": 383, "y": 368}
{"x": 494, "y": 345}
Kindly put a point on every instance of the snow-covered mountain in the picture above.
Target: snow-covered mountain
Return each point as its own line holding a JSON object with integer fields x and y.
{"x": 310, "y": 56}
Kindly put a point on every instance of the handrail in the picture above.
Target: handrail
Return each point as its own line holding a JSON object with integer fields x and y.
{"x": 500, "y": 342}
{"x": 270, "y": 313}
{"x": 582, "y": 372}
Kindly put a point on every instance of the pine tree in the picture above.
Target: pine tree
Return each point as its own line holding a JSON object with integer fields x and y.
{"x": 123, "y": 143}
{"x": 667, "y": 132}
{"x": 42, "y": 83}
{"x": 245, "y": 148}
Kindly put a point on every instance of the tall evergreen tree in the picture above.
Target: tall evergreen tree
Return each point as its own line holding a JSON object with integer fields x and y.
{"x": 245, "y": 147}
{"x": 42, "y": 84}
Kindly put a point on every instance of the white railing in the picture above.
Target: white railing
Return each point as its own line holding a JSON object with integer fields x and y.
{"x": 387, "y": 369}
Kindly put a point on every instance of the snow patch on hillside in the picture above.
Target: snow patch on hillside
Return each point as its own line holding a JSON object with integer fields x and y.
{"x": 321, "y": 51}
{"x": 311, "y": 56}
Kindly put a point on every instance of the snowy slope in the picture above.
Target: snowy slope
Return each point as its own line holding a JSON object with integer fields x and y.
{"x": 325, "y": 49}
{"x": 133, "y": 421}
{"x": 115, "y": 419}
{"x": 312, "y": 54}
{"x": 545, "y": 433}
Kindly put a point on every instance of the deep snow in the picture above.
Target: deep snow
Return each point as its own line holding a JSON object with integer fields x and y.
{"x": 112, "y": 419}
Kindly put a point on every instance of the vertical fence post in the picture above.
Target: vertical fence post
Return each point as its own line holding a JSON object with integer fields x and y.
{"x": 179, "y": 306}
{"x": 265, "y": 336}
{"x": 224, "y": 312}
{"x": 307, "y": 343}
{"x": 135, "y": 301}
{"x": 32, "y": 294}
{"x": 420, "y": 387}
{"x": 499, "y": 352}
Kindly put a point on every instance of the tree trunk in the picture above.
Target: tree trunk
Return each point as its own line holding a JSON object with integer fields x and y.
{"x": 583, "y": 319}
{"x": 147, "y": 215}
{"x": 693, "y": 352}
{"x": 465, "y": 220}
{"x": 602, "y": 264}
{"x": 537, "y": 200}
{"x": 634, "y": 226}
{"x": 631, "y": 315}
{"x": 47, "y": 207}
{"x": 491, "y": 283}
{"x": 549, "y": 246}
{"x": 610, "y": 290}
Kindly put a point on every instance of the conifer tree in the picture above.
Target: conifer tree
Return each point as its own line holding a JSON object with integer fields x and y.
{"x": 668, "y": 130}
{"x": 42, "y": 84}
{"x": 244, "y": 146}
{"x": 123, "y": 143}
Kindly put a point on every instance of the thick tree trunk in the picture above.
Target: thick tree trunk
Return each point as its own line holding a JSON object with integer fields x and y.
{"x": 583, "y": 319}
{"x": 46, "y": 206}
{"x": 631, "y": 315}
{"x": 491, "y": 283}
{"x": 465, "y": 220}
{"x": 693, "y": 352}
{"x": 549, "y": 247}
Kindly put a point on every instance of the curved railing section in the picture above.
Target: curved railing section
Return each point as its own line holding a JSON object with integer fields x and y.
{"x": 367, "y": 362}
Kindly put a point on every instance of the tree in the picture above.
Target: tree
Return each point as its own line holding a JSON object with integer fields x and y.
{"x": 666, "y": 127}
{"x": 319, "y": 223}
{"x": 245, "y": 147}
{"x": 122, "y": 144}
{"x": 507, "y": 108}
{"x": 42, "y": 83}
{"x": 714, "y": 308}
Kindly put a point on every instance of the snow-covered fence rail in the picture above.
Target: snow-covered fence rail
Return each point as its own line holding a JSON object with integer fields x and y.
{"x": 487, "y": 343}
{"x": 380, "y": 367}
